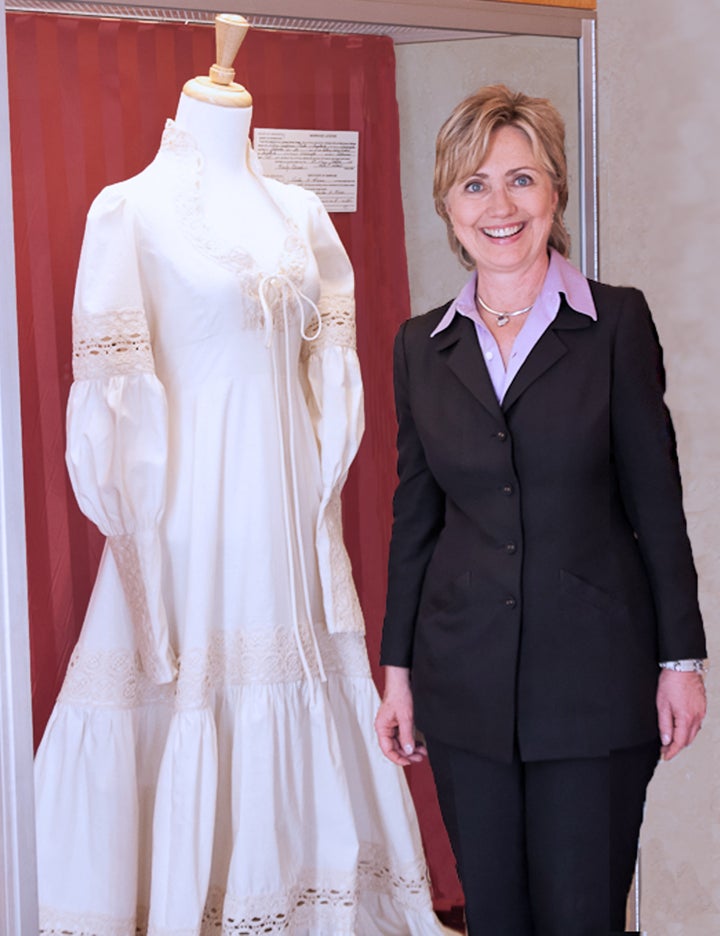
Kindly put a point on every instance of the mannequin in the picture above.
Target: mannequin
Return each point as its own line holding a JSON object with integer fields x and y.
{"x": 210, "y": 765}
{"x": 217, "y": 113}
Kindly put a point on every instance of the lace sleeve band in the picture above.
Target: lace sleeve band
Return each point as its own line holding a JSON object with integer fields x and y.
{"x": 111, "y": 344}
{"x": 337, "y": 317}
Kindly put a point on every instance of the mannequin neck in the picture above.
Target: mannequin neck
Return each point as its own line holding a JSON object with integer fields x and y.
{"x": 221, "y": 133}
{"x": 234, "y": 202}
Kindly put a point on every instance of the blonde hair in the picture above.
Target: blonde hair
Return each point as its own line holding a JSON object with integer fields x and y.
{"x": 465, "y": 137}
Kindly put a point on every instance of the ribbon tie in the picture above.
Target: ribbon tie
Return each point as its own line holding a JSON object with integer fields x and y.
{"x": 290, "y": 297}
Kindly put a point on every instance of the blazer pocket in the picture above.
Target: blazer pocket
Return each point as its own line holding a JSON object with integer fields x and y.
{"x": 440, "y": 597}
{"x": 571, "y": 586}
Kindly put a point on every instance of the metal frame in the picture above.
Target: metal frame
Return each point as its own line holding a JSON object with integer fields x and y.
{"x": 18, "y": 890}
{"x": 18, "y": 896}
{"x": 587, "y": 67}
{"x": 472, "y": 15}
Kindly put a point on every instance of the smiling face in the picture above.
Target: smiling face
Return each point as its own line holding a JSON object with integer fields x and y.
{"x": 503, "y": 213}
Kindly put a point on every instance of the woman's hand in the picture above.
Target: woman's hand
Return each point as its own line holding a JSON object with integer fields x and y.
{"x": 681, "y": 706}
{"x": 394, "y": 723}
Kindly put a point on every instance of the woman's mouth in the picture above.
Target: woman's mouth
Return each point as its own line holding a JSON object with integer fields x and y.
{"x": 501, "y": 232}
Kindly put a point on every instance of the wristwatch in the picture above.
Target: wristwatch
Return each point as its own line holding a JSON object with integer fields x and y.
{"x": 685, "y": 666}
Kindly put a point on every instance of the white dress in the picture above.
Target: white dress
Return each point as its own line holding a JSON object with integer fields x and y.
{"x": 210, "y": 764}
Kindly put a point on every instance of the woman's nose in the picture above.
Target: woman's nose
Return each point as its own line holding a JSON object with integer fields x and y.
{"x": 501, "y": 203}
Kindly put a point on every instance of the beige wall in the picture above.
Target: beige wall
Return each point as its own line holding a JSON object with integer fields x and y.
{"x": 659, "y": 132}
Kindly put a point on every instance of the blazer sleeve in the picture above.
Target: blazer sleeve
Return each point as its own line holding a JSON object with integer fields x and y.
{"x": 645, "y": 452}
{"x": 418, "y": 518}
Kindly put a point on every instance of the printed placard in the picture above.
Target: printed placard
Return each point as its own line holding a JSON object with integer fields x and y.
{"x": 324, "y": 161}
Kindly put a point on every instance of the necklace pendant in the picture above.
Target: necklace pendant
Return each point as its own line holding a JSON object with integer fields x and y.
{"x": 502, "y": 320}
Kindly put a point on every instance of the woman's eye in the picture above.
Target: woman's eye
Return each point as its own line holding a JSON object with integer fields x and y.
{"x": 523, "y": 180}
{"x": 474, "y": 186}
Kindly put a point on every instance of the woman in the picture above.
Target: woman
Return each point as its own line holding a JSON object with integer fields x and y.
{"x": 540, "y": 571}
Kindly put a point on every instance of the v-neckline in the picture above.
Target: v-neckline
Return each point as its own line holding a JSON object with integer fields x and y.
{"x": 193, "y": 222}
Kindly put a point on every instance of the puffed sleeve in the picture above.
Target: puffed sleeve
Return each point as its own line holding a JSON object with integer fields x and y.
{"x": 117, "y": 420}
{"x": 334, "y": 391}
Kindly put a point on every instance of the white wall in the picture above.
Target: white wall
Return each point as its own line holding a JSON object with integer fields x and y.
{"x": 432, "y": 78}
{"x": 659, "y": 133}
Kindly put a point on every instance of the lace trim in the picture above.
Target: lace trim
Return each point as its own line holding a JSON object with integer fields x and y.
{"x": 408, "y": 885}
{"x": 337, "y": 314}
{"x": 326, "y": 901}
{"x": 63, "y": 923}
{"x": 330, "y": 909}
{"x": 250, "y": 657}
{"x": 346, "y": 611}
{"x": 110, "y": 344}
{"x": 110, "y": 678}
{"x": 189, "y": 206}
{"x": 116, "y": 678}
{"x": 127, "y": 560}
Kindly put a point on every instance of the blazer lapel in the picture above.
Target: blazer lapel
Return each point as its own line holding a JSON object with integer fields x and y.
{"x": 459, "y": 346}
{"x": 547, "y": 352}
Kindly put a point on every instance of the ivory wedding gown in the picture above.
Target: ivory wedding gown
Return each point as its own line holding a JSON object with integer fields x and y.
{"x": 210, "y": 765}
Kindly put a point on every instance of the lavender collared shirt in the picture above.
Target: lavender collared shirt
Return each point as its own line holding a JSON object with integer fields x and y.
{"x": 561, "y": 278}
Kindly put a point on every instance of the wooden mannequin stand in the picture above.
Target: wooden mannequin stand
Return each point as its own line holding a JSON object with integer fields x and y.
{"x": 218, "y": 86}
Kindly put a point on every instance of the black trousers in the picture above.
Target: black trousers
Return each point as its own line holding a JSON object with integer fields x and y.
{"x": 544, "y": 848}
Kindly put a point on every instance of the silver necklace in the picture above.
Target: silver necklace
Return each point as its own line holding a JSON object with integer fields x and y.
{"x": 502, "y": 317}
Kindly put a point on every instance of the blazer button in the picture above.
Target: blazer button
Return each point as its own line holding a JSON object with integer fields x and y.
{"x": 511, "y": 549}
{"x": 510, "y": 602}
{"x": 501, "y": 435}
{"x": 507, "y": 489}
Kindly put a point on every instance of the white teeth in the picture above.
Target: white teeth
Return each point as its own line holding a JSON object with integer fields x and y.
{"x": 502, "y": 232}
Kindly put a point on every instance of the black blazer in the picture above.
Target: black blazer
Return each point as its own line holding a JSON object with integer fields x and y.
{"x": 539, "y": 565}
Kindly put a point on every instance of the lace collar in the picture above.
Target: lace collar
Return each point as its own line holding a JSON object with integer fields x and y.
{"x": 293, "y": 261}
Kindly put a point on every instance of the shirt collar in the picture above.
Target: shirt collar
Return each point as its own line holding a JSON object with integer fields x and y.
{"x": 562, "y": 278}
